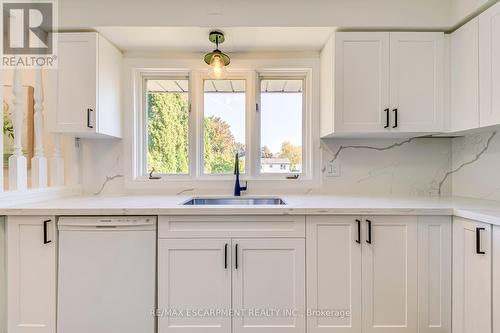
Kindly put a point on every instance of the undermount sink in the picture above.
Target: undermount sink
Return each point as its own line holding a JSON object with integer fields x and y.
{"x": 234, "y": 201}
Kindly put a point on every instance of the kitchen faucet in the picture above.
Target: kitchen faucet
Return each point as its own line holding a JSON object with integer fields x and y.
{"x": 237, "y": 187}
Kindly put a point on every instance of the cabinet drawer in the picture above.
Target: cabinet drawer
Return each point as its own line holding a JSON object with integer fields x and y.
{"x": 231, "y": 226}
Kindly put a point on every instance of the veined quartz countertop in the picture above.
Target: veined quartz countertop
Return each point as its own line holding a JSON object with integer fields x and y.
{"x": 481, "y": 210}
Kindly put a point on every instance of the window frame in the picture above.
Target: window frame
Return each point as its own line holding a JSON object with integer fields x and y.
{"x": 142, "y": 170}
{"x": 196, "y": 79}
{"x": 248, "y": 76}
{"x": 283, "y": 74}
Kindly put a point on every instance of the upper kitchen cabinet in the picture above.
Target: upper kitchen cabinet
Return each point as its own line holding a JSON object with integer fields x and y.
{"x": 464, "y": 77}
{"x": 489, "y": 66}
{"x": 382, "y": 83}
{"x": 88, "y": 87}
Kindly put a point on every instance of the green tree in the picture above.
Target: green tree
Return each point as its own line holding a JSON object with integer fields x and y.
{"x": 220, "y": 146}
{"x": 168, "y": 141}
{"x": 293, "y": 153}
{"x": 168, "y": 132}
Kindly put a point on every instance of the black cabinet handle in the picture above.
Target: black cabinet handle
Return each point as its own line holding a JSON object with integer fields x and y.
{"x": 45, "y": 232}
{"x": 225, "y": 256}
{"x": 478, "y": 241}
{"x": 369, "y": 240}
{"x": 236, "y": 256}
{"x": 387, "y": 120}
{"x": 359, "y": 232}
{"x": 89, "y": 125}
{"x": 395, "y": 118}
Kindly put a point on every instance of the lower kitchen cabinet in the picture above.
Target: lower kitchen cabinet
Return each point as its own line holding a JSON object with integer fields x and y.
{"x": 372, "y": 268}
{"x": 31, "y": 274}
{"x": 243, "y": 276}
{"x": 193, "y": 274}
{"x": 269, "y": 274}
{"x": 472, "y": 284}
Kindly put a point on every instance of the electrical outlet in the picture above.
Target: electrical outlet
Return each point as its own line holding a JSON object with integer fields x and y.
{"x": 333, "y": 169}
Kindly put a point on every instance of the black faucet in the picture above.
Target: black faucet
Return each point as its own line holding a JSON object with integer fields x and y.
{"x": 237, "y": 187}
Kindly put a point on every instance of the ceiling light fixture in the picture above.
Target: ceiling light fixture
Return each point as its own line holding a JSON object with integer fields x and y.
{"x": 216, "y": 59}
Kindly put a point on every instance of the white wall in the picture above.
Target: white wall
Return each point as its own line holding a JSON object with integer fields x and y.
{"x": 222, "y": 13}
{"x": 481, "y": 177}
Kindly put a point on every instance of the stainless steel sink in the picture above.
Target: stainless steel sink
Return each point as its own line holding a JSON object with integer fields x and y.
{"x": 234, "y": 201}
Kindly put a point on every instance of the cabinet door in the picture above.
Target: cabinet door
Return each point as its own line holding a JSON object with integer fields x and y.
{"x": 464, "y": 104}
{"x": 390, "y": 274}
{"x": 496, "y": 277}
{"x": 193, "y": 275}
{"x": 269, "y": 274}
{"x": 76, "y": 83}
{"x": 416, "y": 81}
{"x": 434, "y": 274}
{"x": 334, "y": 273}
{"x": 471, "y": 276}
{"x": 489, "y": 66}
{"x": 361, "y": 81}
{"x": 31, "y": 274}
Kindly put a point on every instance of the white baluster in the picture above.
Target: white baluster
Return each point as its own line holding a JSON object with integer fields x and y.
{"x": 56, "y": 163}
{"x": 1, "y": 132}
{"x": 18, "y": 169}
{"x": 39, "y": 161}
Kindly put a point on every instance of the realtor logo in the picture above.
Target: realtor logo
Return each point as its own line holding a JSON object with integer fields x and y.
{"x": 28, "y": 38}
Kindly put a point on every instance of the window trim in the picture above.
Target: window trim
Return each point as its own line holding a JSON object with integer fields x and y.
{"x": 291, "y": 74}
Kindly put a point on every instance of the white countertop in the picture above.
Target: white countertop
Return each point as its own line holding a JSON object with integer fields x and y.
{"x": 481, "y": 210}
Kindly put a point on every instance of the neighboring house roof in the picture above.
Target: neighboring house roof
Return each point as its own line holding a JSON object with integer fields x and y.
{"x": 275, "y": 161}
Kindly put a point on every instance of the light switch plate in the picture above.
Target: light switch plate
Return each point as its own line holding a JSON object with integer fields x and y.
{"x": 333, "y": 169}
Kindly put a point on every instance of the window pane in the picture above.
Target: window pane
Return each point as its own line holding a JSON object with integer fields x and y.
{"x": 281, "y": 126}
{"x": 224, "y": 125}
{"x": 168, "y": 126}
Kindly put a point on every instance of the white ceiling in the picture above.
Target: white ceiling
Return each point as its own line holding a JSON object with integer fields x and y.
{"x": 238, "y": 39}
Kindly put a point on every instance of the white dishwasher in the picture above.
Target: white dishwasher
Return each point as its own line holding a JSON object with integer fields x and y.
{"x": 106, "y": 275}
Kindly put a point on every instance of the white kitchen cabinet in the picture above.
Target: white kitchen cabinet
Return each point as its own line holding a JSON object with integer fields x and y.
{"x": 387, "y": 83}
{"x": 334, "y": 273}
{"x": 489, "y": 66}
{"x": 269, "y": 274}
{"x": 194, "y": 275}
{"x": 361, "y": 81}
{"x": 232, "y": 263}
{"x": 472, "y": 268}
{"x": 434, "y": 274}
{"x": 31, "y": 274}
{"x": 88, "y": 101}
{"x": 389, "y": 266}
{"x": 464, "y": 80}
{"x": 416, "y": 81}
{"x": 381, "y": 269}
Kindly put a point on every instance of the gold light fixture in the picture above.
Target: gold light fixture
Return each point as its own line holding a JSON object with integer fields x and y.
{"x": 216, "y": 59}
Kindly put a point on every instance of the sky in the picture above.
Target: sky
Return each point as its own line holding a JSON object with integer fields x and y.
{"x": 281, "y": 116}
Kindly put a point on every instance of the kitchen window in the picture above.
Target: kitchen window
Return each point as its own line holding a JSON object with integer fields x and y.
{"x": 167, "y": 125}
{"x": 281, "y": 125}
{"x": 192, "y": 126}
{"x": 224, "y": 111}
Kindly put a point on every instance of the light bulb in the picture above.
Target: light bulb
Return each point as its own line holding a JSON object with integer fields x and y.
{"x": 217, "y": 67}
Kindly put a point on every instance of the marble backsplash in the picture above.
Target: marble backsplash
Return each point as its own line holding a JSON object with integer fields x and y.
{"x": 476, "y": 159}
{"x": 463, "y": 166}
{"x": 408, "y": 167}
